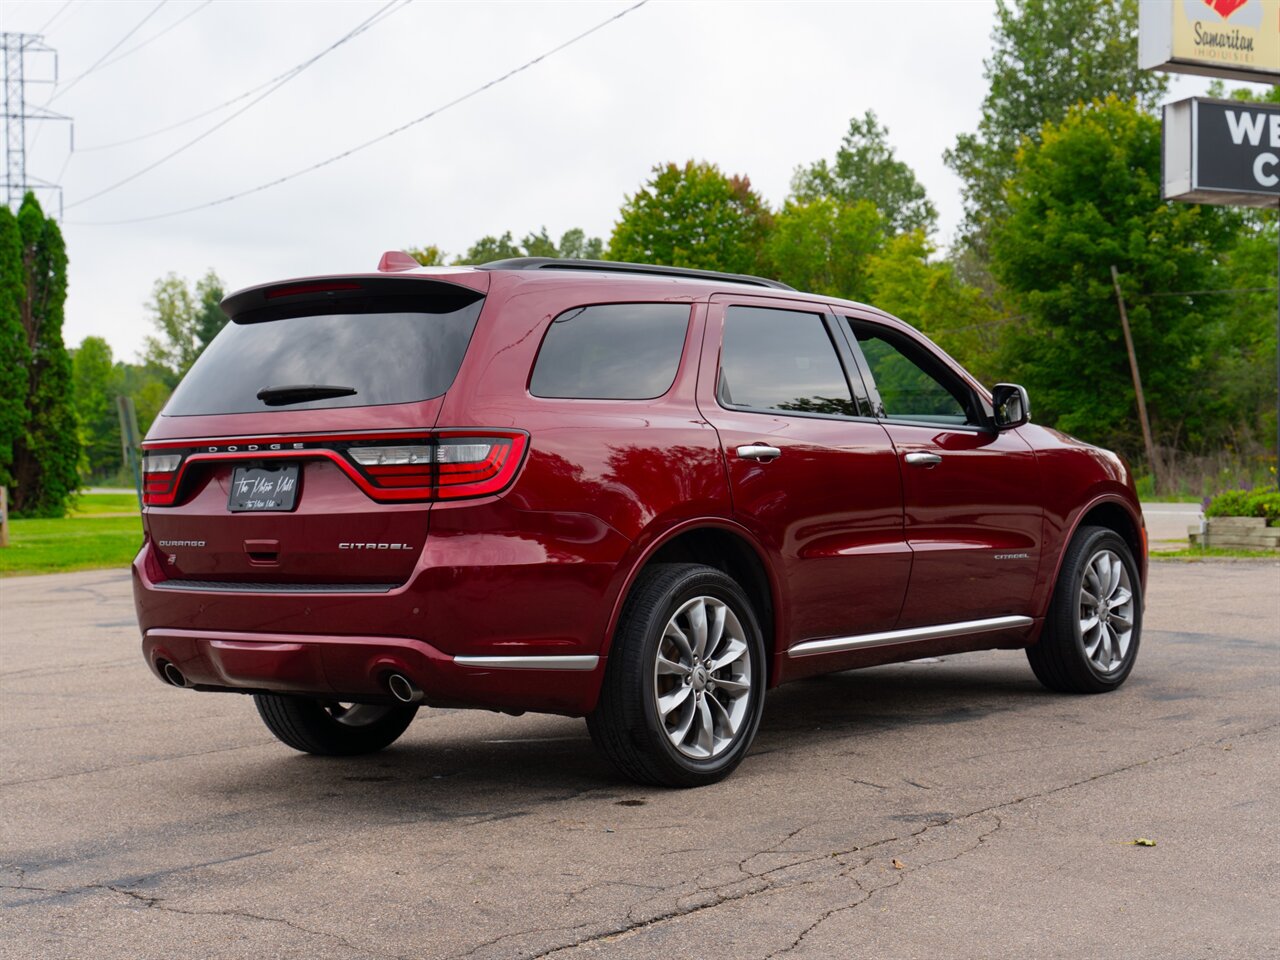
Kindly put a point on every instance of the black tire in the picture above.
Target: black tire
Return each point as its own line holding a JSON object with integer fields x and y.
{"x": 1061, "y": 659}
{"x": 627, "y": 726}
{"x": 331, "y": 729}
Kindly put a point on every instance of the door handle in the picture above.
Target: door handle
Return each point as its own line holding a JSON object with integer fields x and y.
{"x": 923, "y": 459}
{"x": 759, "y": 451}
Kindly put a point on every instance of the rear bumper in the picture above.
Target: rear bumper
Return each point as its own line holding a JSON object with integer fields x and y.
{"x": 357, "y": 668}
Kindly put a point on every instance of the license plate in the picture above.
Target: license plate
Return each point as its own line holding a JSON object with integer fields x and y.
{"x": 264, "y": 488}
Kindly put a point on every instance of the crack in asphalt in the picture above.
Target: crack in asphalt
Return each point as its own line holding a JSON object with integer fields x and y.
{"x": 718, "y": 898}
{"x": 136, "y": 763}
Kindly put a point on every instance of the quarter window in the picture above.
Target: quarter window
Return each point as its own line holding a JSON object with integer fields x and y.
{"x": 781, "y": 360}
{"x": 615, "y": 351}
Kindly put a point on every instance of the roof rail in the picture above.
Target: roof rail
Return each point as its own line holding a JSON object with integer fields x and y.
{"x": 611, "y": 266}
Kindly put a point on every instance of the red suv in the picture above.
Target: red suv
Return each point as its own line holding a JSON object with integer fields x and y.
{"x": 637, "y": 494}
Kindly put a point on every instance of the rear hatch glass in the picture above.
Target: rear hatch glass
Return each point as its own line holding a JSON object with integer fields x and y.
{"x": 392, "y": 351}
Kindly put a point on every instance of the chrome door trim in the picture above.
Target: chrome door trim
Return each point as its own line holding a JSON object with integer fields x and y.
{"x": 809, "y": 648}
{"x": 529, "y": 663}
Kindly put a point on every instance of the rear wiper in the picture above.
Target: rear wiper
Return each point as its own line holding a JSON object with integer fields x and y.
{"x": 299, "y": 392}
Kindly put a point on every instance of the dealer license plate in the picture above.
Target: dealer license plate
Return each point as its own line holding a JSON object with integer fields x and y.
{"x": 264, "y": 488}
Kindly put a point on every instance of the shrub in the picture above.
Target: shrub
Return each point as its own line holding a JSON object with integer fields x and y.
{"x": 1264, "y": 502}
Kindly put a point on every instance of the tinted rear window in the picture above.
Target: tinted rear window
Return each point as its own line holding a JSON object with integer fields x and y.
{"x": 614, "y": 351}
{"x": 397, "y": 356}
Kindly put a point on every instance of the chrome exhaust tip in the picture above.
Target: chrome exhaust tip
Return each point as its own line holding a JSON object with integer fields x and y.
{"x": 173, "y": 674}
{"x": 404, "y": 689}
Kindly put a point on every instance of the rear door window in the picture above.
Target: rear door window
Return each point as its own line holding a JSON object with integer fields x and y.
{"x": 613, "y": 351}
{"x": 781, "y": 360}
{"x": 402, "y": 355}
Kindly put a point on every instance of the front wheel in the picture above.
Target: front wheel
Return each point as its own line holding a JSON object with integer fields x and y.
{"x": 333, "y": 729}
{"x": 684, "y": 685}
{"x": 1091, "y": 634}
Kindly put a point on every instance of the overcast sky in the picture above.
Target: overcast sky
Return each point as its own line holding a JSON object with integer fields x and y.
{"x": 757, "y": 88}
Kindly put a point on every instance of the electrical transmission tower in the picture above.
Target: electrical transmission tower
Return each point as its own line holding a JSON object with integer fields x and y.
{"x": 18, "y": 49}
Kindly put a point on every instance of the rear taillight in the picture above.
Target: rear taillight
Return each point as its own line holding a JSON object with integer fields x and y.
{"x": 159, "y": 478}
{"x": 447, "y": 465}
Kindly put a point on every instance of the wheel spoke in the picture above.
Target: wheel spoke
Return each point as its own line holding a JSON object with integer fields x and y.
{"x": 1091, "y": 648}
{"x": 669, "y": 701}
{"x": 1120, "y": 618}
{"x": 1087, "y": 597}
{"x": 677, "y": 636}
{"x": 1121, "y": 597}
{"x": 670, "y": 667}
{"x": 733, "y": 649}
{"x": 735, "y": 688}
{"x": 698, "y": 624}
{"x": 727, "y": 725}
{"x": 716, "y": 629}
{"x": 1087, "y": 625}
{"x": 680, "y": 733}
{"x": 705, "y": 740}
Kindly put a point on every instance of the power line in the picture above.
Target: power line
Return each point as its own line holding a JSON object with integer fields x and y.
{"x": 156, "y": 36}
{"x": 378, "y": 139}
{"x": 116, "y": 46}
{"x": 62, "y": 9}
{"x": 297, "y": 68}
{"x": 364, "y": 25}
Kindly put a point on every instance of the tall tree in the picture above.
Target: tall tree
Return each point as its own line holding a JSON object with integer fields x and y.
{"x": 1047, "y": 56}
{"x": 15, "y": 351}
{"x": 693, "y": 216}
{"x": 186, "y": 321}
{"x": 1084, "y": 197}
{"x": 573, "y": 243}
{"x": 866, "y": 168}
{"x": 46, "y": 456}
{"x": 93, "y": 371}
{"x": 825, "y": 245}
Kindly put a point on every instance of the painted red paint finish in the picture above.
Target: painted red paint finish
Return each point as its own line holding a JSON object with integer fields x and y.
{"x": 848, "y": 538}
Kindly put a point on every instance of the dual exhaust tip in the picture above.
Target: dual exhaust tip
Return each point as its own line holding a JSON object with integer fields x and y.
{"x": 401, "y": 687}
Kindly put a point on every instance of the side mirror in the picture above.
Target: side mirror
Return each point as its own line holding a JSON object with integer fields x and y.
{"x": 1011, "y": 404}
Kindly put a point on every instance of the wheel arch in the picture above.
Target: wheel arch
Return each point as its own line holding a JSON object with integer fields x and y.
{"x": 1113, "y": 513}
{"x": 730, "y": 549}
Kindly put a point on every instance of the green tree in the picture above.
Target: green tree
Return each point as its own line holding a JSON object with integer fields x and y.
{"x": 929, "y": 295}
{"x": 573, "y": 243}
{"x": 1086, "y": 195}
{"x": 428, "y": 256}
{"x": 186, "y": 321}
{"x": 693, "y": 216}
{"x": 865, "y": 168}
{"x": 15, "y": 351}
{"x": 824, "y": 245}
{"x": 46, "y": 456}
{"x": 1047, "y": 56}
{"x": 94, "y": 373}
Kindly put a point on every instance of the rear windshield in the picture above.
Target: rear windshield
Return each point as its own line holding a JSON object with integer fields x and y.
{"x": 374, "y": 358}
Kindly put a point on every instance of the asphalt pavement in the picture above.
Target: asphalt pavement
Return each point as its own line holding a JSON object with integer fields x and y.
{"x": 941, "y": 809}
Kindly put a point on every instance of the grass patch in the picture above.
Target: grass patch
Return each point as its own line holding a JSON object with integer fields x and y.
{"x": 93, "y": 504}
{"x": 1214, "y": 553}
{"x": 73, "y": 543}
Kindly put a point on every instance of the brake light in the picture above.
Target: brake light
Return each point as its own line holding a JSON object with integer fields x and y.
{"x": 447, "y": 465}
{"x": 159, "y": 471}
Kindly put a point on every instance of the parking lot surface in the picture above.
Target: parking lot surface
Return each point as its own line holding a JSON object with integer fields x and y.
{"x": 940, "y": 809}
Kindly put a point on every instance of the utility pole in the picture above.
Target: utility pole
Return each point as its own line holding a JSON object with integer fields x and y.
{"x": 17, "y": 49}
{"x": 1137, "y": 383}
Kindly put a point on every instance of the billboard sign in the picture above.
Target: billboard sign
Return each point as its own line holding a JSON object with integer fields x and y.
{"x": 1222, "y": 151}
{"x": 1232, "y": 39}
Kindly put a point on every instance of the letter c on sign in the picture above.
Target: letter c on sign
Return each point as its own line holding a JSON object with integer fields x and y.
{"x": 1261, "y": 161}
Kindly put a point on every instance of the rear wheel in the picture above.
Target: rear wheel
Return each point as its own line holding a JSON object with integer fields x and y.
{"x": 684, "y": 686}
{"x": 1091, "y": 635}
{"x": 333, "y": 729}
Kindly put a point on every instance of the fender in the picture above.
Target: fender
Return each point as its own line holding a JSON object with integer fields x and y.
{"x": 1071, "y": 528}
{"x": 683, "y": 527}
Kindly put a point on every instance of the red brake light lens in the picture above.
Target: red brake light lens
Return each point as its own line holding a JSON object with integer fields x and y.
{"x": 159, "y": 471}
